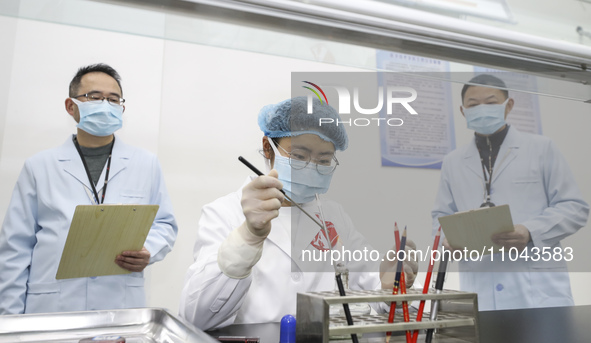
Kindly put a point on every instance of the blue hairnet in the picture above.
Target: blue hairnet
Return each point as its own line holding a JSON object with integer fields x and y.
{"x": 290, "y": 118}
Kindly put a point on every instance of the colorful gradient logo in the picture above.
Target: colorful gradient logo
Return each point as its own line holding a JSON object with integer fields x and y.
{"x": 315, "y": 92}
{"x": 387, "y": 96}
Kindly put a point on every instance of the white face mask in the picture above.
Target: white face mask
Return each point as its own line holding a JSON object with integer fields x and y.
{"x": 486, "y": 119}
{"x": 99, "y": 118}
{"x": 301, "y": 185}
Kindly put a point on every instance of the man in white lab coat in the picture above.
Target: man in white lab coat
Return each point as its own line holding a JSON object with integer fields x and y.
{"x": 504, "y": 166}
{"x": 249, "y": 254}
{"x": 91, "y": 167}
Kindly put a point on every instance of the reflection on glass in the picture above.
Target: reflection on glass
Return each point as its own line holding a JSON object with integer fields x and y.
{"x": 568, "y": 21}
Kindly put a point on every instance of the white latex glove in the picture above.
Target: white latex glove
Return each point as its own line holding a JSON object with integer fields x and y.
{"x": 261, "y": 201}
{"x": 242, "y": 249}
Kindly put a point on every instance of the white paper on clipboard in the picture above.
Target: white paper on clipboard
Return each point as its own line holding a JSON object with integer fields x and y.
{"x": 473, "y": 229}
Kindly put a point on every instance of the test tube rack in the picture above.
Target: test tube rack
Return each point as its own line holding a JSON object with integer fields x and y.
{"x": 457, "y": 319}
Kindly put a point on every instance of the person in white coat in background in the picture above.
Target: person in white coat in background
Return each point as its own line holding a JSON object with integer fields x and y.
{"x": 91, "y": 167}
{"x": 250, "y": 252}
{"x": 504, "y": 166}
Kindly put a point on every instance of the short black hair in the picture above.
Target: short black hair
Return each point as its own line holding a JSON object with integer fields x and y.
{"x": 99, "y": 67}
{"x": 486, "y": 80}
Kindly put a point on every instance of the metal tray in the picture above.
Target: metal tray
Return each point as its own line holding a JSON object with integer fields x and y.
{"x": 315, "y": 325}
{"x": 143, "y": 325}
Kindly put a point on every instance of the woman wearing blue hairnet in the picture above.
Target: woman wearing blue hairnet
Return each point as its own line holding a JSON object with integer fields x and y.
{"x": 250, "y": 254}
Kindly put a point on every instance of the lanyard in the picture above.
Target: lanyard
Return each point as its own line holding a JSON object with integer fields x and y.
{"x": 88, "y": 172}
{"x": 488, "y": 181}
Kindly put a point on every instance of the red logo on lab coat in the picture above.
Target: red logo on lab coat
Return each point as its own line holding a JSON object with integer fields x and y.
{"x": 319, "y": 241}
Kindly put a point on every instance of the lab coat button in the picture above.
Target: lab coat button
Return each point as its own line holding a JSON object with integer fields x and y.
{"x": 500, "y": 287}
{"x": 296, "y": 277}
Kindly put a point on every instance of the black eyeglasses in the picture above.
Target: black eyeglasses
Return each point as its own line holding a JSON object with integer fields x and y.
{"x": 97, "y": 96}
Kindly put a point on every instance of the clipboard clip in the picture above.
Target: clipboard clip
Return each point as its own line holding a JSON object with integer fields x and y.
{"x": 487, "y": 204}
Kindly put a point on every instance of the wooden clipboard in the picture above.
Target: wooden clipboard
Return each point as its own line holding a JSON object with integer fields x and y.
{"x": 98, "y": 233}
{"x": 473, "y": 229}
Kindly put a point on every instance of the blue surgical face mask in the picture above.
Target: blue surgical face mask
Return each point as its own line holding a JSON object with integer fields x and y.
{"x": 486, "y": 119}
{"x": 99, "y": 118}
{"x": 301, "y": 185}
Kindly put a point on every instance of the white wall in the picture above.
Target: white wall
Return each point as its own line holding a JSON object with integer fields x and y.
{"x": 196, "y": 106}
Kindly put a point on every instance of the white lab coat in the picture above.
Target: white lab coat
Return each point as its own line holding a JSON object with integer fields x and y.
{"x": 532, "y": 177}
{"x": 51, "y": 184}
{"x": 211, "y": 299}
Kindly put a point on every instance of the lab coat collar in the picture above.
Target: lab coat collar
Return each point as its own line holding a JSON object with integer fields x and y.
{"x": 472, "y": 159}
{"x": 307, "y": 232}
{"x": 300, "y": 233}
{"x": 305, "y": 229}
{"x": 507, "y": 153}
{"x": 281, "y": 236}
{"x": 70, "y": 159}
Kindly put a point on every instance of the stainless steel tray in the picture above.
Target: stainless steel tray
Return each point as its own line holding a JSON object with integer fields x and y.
{"x": 151, "y": 325}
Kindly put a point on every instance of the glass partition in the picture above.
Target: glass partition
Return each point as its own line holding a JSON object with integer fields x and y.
{"x": 352, "y": 41}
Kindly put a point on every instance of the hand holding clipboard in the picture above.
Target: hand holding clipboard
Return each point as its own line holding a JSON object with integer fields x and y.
{"x": 99, "y": 233}
{"x": 475, "y": 229}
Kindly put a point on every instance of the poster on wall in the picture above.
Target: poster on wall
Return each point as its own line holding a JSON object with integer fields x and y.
{"x": 422, "y": 139}
{"x": 525, "y": 115}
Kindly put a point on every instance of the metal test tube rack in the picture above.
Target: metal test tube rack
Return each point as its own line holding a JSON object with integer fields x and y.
{"x": 457, "y": 319}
